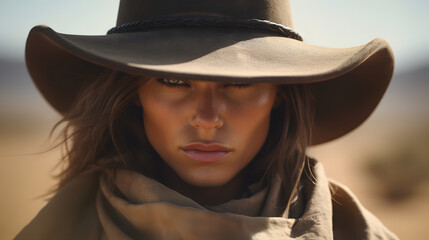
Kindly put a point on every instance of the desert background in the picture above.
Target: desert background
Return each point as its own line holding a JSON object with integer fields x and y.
{"x": 385, "y": 161}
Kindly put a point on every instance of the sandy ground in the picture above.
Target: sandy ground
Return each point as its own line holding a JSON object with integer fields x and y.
{"x": 344, "y": 160}
{"x": 25, "y": 178}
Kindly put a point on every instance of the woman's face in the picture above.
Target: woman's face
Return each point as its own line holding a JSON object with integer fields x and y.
{"x": 207, "y": 132}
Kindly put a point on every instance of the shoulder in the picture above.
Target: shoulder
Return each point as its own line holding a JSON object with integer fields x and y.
{"x": 350, "y": 218}
{"x": 70, "y": 214}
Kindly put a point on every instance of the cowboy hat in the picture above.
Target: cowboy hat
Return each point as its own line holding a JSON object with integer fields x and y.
{"x": 217, "y": 41}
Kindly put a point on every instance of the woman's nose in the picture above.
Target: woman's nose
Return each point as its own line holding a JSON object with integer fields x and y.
{"x": 207, "y": 113}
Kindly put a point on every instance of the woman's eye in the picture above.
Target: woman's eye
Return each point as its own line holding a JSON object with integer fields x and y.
{"x": 239, "y": 85}
{"x": 172, "y": 82}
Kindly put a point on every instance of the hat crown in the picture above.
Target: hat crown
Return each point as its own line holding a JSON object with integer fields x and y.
{"x": 277, "y": 11}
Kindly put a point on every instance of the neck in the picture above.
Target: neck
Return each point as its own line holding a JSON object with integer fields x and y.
{"x": 205, "y": 195}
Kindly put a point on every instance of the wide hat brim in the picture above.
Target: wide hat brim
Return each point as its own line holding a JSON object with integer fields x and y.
{"x": 347, "y": 83}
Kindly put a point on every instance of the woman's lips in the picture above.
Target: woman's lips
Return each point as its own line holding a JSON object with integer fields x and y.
{"x": 201, "y": 152}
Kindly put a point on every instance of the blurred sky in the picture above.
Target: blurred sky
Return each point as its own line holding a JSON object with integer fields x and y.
{"x": 333, "y": 23}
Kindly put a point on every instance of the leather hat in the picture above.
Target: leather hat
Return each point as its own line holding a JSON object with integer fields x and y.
{"x": 220, "y": 40}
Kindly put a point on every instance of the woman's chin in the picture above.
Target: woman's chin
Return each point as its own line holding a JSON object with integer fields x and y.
{"x": 206, "y": 179}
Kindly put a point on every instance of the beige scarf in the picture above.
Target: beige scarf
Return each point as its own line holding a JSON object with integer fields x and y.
{"x": 141, "y": 208}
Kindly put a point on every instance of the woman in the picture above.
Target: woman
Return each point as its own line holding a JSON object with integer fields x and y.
{"x": 190, "y": 120}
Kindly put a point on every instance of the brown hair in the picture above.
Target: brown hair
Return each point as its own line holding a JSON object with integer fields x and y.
{"x": 104, "y": 129}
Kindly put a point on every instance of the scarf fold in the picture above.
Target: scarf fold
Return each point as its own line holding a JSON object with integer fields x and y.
{"x": 138, "y": 207}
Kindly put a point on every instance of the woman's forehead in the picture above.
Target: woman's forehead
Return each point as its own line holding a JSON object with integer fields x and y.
{"x": 198, "y": 80}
